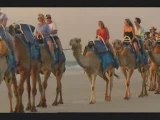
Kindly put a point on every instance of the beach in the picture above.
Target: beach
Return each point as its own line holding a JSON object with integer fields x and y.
{"x": 82, "y": 23}
{"x": 76, "y": 93}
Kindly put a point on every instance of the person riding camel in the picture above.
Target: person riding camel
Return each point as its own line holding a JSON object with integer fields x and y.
{"x": 43, "y": 31}
{"x": 102, "y": 33}
{"x": 153, "y": 33}
{"x": 54, "y": 31}
{"x": 3, "y": 18}
{"x": 139, "y": 32}
{"x": 130, "y": 32}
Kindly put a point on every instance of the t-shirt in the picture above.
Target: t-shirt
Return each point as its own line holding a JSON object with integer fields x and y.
{"x": 3, "y": 17}
{"x": 103, "y": 33}
{"x": 44, "y": 28}
{"x": 140, "y": 32}
{"x": 52, "y": 26}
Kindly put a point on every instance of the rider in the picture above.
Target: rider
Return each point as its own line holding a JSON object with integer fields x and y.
{"x": 43, "y": 31}
{"x": 3, "y": 18}
{"x": 130, "y": 32}
{"x": 53, "y": 30}
{"x": 139, "y": 31}
{"x": 103, "y": 34}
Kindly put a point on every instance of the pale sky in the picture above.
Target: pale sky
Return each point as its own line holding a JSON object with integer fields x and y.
{"x": 82, "y": 22}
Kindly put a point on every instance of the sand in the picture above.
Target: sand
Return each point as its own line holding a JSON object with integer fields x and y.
{"x": 76, "y": 92}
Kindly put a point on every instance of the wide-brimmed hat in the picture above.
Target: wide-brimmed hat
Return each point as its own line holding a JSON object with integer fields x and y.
{"x": 153, "y": 28}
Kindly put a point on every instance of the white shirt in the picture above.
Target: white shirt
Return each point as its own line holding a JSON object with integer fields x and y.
{"x": 52, "y": 26}
{"x": 140, "y": 32}
{"x": 3, "y": 18}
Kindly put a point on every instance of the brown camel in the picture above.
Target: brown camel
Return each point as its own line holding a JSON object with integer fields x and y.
{"x": 26, "y": 68}
{"x": 8, "y": 77}
{"x": 153, "y": 49}
{"x": 91, "y": 66}
{"x": 127, "y": 65}
{"x": 46, "y": 69}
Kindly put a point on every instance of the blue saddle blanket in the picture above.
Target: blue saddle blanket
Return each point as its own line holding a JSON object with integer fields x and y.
{"x": 10, "y": 57}
{"x": 30, "y": 41}
{"x": 105, "y": 56}
{"x": 142, "y": 58}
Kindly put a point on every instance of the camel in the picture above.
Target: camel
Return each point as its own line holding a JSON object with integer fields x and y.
{"x": 153, "y": 49}
{"x": 7, "y": 76}
{"x": 127, "y": 65}
{"x": 91, "y": 66}
{"x": 26, "y": 67}
{"x": 46, "y": 69}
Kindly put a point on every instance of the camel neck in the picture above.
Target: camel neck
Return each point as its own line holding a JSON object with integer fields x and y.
{"x": 80, "y": 58}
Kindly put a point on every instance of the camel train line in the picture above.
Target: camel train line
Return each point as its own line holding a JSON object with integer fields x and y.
{"x": 17, "y": 42}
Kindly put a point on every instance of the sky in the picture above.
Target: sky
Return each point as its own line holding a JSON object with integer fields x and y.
{"x": 82, "y": 22}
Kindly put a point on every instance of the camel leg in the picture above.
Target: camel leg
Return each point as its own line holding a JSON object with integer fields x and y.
{"x": 151, "y": 80}
{"x": 29, "y": 93}
{"x": 23, "y": 77}
{"x": 8, "y": 84}
{"x": 15, "y": 88}
{"x": 40, "y": 90}
{"x": 90, "y": 79}
{"x": 154, "y": 82}
{"x": 34, "y": 90}
{"x": 143, "y": 84}
{"x": 125, "y": 75}
{"x": 93, "y": 88}
{"x": 58, "y": 89}
{"x": 46, "y": 76}
{"x": 110, "y": 83}
{"x": 130, "y": 71}
{"x": 158, "y": 85}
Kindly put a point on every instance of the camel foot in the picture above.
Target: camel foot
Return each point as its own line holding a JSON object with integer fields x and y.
{"x": 20, "y": 109}
{"x": 157, "y": 92}
{"x": 28, "y": 107}
{"x": 60, "y": 102}
{"x": 92, "y": 102}
{"x": 146, "y": 94}
{"x": 33, "y": 109}
{"x": 55, "y": 103}
{"x": 40, "y": 104}
{"x": 44, "y": 105}
{"x": 107, "y": 98}
{"x": 141, "y": 95}
{"x": 126, "y": 98}
{"x": 11, "y": 111}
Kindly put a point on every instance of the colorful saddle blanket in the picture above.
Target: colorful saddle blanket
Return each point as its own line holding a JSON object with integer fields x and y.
{"x": 10, "y": 57}
{"x": 105, "y": 56}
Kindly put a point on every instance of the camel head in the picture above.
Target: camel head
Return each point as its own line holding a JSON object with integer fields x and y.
{"x": 75, "y": 43}
{"x": 117, "y": 45}
{"x": 148, "y": 44}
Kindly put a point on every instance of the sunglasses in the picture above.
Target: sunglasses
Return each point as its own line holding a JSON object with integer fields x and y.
{"x": 48, "y": 17}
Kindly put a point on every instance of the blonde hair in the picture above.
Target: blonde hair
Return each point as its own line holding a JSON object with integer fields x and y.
{"x": 41, "y": 15}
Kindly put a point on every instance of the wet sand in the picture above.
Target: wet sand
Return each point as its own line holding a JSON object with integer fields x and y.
{"x": 76, "y": 92}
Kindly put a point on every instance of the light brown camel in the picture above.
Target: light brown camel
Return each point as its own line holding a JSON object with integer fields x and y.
{"x": 154, "y": 54}
{"x": 91, "y": 66}
{"x": 127, "y": 66}
{"x": 46, "y": 69}
{"x": 26, "y": 68}
{"x": 9, "y": 76}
